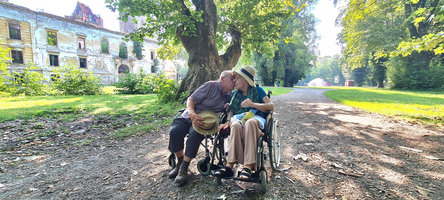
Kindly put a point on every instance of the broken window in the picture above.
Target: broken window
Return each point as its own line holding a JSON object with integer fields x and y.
{"x": 14, "y": 31}
{"x": 153, "y": 55}
{"x": 53, "y": 60}
{"x": 104, "y": 46}
{"x": 52, "y": 38}
{"x": 82, "y": 62}
{"x": 123, "y": 69}
{"x": 54, "y": 77}
{"x": 17, "y": 56}
{"x": 123, "y": 53}
{"x": 81, "y": 43}
{"x": 19, "y": 78}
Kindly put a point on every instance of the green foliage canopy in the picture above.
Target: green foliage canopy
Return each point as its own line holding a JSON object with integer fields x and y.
{"x": 258, "y": 21}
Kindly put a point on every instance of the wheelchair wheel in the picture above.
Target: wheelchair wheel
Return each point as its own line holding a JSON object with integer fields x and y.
{"x": 263, "y": 175}
{"x": 172, "y": 161}
{"x": 221, "y": 147}
{"x": 275, "y": 152}
{"x": 204, "y": 167}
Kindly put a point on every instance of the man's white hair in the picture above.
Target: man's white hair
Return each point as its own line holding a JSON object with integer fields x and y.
{"x": 225, "y": 73}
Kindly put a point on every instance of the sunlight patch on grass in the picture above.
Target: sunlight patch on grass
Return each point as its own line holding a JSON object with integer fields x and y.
{"x": 26, "y": 104}
{"x": 132, "y": 107}
{"x": 423, "y": 106}
{"x": 101, "y": 110}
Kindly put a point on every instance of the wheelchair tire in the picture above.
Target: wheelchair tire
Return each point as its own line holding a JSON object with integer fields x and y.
{"x": 264, "y": 181}
{"x": 275, "y": 152}
{"x": 204, "y": 167}
{"x": 172, "y": 161}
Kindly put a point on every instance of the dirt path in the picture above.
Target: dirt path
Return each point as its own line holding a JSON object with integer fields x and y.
{"x": 330, "y": 151}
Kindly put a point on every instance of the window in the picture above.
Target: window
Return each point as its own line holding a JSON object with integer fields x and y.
{"x": 153, "y": 55}
{"x": 123, "y": 69}
{"x": 52, "y": 38}
{"x": 82, "y": 62}
{"x": 81, "y": 42}
{"x": 14, "y": 31}
{"x": 53, "y": 60}
{"x": 17, "y": 56}
{"x": 19, "y": 78}
{"x": 123, "y": 53}
{"x": 54, "y": 77}
{"x": 104, "y": 46}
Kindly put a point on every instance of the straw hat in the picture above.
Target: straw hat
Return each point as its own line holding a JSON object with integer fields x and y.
{"x": 248, "y": 72}
{"x": 210, "y": 123}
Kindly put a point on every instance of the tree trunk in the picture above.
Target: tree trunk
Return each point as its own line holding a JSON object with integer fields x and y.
{"x": 204, "y": 61}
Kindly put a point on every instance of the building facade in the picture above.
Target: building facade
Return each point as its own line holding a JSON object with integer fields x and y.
{"x": 50, "y": 41}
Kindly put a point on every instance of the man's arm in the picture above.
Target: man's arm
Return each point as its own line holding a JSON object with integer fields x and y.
{"x": 195, "y": 118}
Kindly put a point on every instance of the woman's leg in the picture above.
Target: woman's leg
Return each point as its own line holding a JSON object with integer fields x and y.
{"x": 252, "y": 133}
{"x": 236, "y": 147}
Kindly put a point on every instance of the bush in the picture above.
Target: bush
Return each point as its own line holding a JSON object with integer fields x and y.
{"x": 408, "y": 75}
{"x": 437, "y": 73}
{"x": 133, "y": 84}
{"x": 31, "y": 82}
{"x": 74, "y": 81}
{"x": 165, "y": 88}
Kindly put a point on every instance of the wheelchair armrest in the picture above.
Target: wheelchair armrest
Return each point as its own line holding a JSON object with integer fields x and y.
{"x": 180, "y": 112}
{"x": 268, "y": 123}
{"x": 223, "y": 117}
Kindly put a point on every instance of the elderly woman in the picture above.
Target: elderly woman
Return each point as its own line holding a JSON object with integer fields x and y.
{"x": 244, "y": 133}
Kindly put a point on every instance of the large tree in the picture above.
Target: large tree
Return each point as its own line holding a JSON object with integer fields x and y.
{"x": 206, "y": 27}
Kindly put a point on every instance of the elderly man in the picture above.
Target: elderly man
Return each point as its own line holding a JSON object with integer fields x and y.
{"x": 212, "y": 96}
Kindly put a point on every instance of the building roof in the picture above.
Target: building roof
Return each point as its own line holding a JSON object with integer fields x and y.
{"x": 84, "y": 14}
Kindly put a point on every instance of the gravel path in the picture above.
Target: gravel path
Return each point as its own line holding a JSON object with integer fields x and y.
{"x": 329, "y": 151}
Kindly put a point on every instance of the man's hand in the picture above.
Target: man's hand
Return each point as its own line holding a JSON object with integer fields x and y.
{"x": 196, "y": 119}
{"x": 226, "y": 107}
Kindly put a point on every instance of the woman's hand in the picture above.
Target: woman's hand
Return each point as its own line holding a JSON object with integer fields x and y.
{"x": 247, "y": 102}
{"x": 223, "y": 126}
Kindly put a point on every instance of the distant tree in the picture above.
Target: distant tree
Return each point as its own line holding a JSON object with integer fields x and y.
{"x": 359, "y": 75}
{"x": 292, "y": 61}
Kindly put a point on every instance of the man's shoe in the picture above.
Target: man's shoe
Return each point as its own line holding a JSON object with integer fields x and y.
{"x": 181, "y": 178}
{"x": 173, "y": 173}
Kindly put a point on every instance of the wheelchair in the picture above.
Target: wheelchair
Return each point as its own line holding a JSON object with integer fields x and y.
{"x": 270, "y": 139}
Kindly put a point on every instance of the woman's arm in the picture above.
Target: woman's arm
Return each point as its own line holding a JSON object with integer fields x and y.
{"x": 264, "y": 107}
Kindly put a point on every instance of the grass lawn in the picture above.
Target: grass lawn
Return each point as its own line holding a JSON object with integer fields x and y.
{"x": 71, "y": 106}
{"x": 420, "y": 106}
{"x": 278, "y": 90}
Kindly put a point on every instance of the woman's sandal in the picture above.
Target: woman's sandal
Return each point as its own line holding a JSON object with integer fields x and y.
{"x": 245, "y": 174}
{"x": 223, "y": 172}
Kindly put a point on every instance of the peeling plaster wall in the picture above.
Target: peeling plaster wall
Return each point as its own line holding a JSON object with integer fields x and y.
{"x": 36, "y": 48}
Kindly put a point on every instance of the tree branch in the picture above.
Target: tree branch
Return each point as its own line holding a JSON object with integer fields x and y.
{"x": 234, "y": 51}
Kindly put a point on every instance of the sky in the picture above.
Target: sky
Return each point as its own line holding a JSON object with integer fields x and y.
{"x": 327, "y": 13}
{"x": 324, "y": 11}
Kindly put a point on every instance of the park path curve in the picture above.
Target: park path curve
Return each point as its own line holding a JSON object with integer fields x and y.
{"x": 329, "y": 151}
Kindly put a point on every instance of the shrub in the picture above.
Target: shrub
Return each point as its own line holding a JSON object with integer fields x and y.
{"x": 4, "y": 59}
{"x": 31, "y": 82}
{"x": 165, "y": 88}
{"x": 74, "y": 81}
{"x": 133, "y": 83}
{"x": 408, "y": 75}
